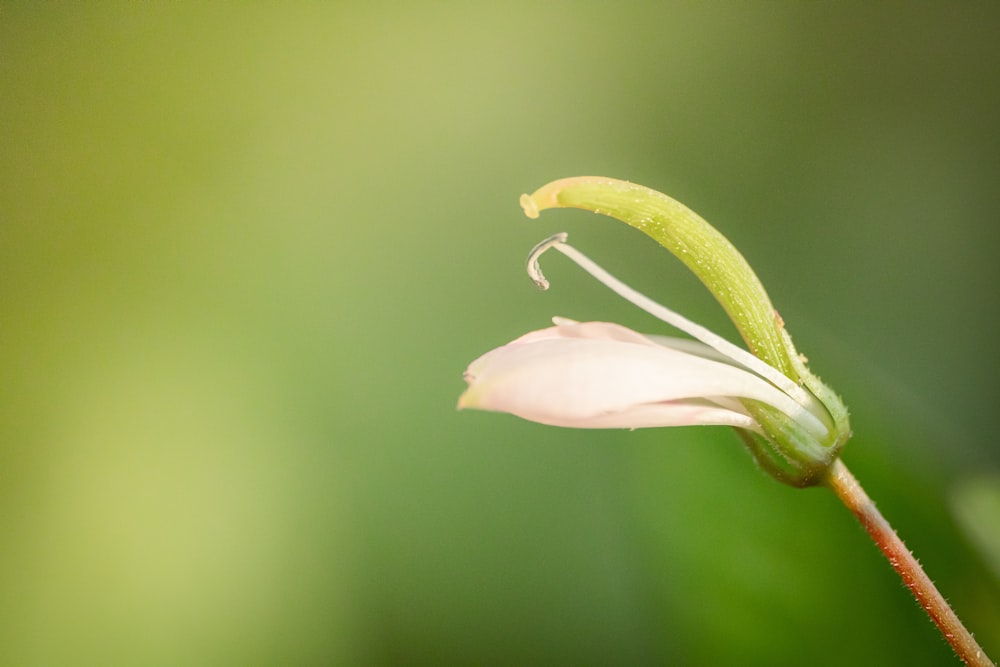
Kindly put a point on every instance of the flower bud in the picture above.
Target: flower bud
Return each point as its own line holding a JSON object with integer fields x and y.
{"x": 602, "y": 375}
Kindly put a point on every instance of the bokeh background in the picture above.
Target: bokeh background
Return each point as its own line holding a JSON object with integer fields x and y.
{"x": 247, "y": 251}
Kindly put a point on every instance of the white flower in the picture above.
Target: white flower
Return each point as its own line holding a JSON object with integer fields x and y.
{"x": 603, "y": 375}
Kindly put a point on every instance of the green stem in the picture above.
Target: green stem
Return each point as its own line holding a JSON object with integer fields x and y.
{"x": 847, "y": 488}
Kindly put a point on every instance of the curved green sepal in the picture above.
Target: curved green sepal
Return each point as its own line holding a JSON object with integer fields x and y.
{"x": 716, "y": 262}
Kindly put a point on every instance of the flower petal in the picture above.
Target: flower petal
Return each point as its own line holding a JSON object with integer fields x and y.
{"x": 602, "y": 375}
{"x": 674, "y": 413}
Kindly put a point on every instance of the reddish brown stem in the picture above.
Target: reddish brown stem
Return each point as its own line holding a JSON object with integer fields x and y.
{"x": 854, "y": 497}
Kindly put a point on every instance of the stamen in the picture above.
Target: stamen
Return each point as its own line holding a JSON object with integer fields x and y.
{"x": 534, "y": 270}
{"x": 713, "y": 340}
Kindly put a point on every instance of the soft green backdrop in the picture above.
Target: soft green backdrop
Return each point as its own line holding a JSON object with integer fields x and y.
{"x": 246, "y": 253}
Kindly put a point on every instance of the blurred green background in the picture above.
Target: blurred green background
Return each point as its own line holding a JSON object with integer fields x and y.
{"x": 247, "y": 252}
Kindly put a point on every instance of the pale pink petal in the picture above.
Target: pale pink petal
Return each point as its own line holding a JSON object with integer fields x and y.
{"x": 600, "y": 375}
{"x": 653, "y": 415}
{"x": 591, "y": 330}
